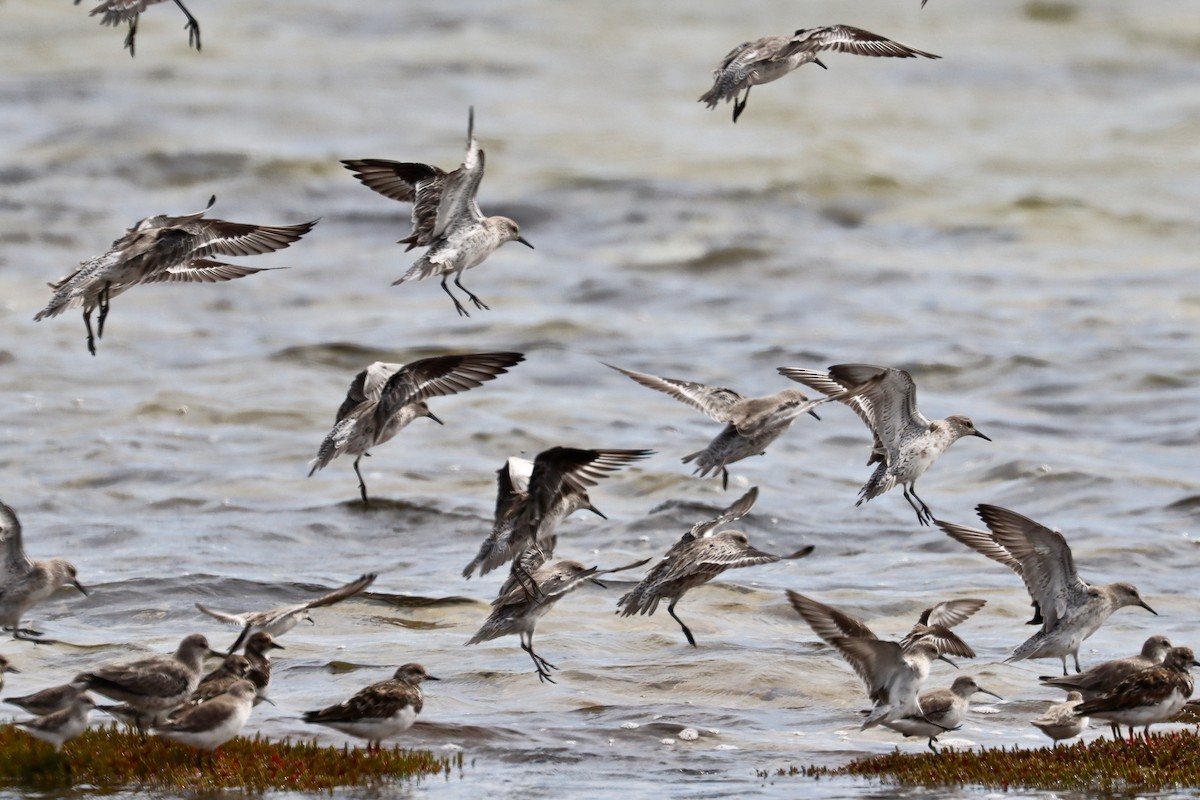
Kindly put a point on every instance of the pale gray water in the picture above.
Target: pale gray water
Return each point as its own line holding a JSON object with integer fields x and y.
{"x": 1013, "y": 223}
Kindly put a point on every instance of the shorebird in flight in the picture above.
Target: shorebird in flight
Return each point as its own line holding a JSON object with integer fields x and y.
{"x": 445, "y": 216}
{"x": 278, "y": 621}
{"x": 532, "y": 498}
{"x": 1071, "y": 609}
{"x": 751, "y": 423}
{"x": 165, "y": 249}
{"x": 700, "y": 555}
{"x": 907, "y": 443}
{"x": 771, "y": 57}
{"x": 384, "y": 398}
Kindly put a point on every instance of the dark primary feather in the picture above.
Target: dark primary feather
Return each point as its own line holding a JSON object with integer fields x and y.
{"x": 407, "y": 182}
{"x": 848, "y": 39}
{"x": 439, "y": 376}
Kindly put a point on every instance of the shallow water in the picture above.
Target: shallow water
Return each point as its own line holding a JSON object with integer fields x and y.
{"x": 1014, "y": 224}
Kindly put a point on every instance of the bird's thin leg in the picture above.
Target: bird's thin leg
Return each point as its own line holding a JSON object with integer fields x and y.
{"x": 671, "y": 610}
{"x": 29, "y": 635}
{"x": 540, "y": 664}
{"x": 1075, "y": 656}
{"x": 931, "y": 747}
{"x": 103, "y": 311}
{"x": 1116, "y": 730}
{"x": 192, "y": 26}
{"x": 462, "y": 312}
{"x": 362, "y": 484}
{"x": 924, "y": 515}
{"x": 538, "y": 658}
{"x": 478, "y": 303}
{"x": 1064, "y": 660}
{"x": 132, "y": 34}
{"x": 740, "y": 106}
{"x": 87, "y": 323}
{"x": 724, "y": 479}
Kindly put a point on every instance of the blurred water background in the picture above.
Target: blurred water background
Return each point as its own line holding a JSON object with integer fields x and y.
{"x": 1015, "y": 224}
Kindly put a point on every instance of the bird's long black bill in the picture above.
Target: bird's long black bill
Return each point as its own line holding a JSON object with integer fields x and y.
{"x": 523, "y": 241}
{"x": 801, "y": 553}
{"x": 634, "y": 565}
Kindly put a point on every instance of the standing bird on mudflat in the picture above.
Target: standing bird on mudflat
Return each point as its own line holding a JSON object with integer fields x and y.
{"x": 751, "y": 423}
{"x": 24, "y": 582}
{"x": 60, "y": 727}
{"x": 47, "y": 701}
{"x": 381, "y": 710}
{"x": 1060, "y": 721}
{"x": 907, "y": 443}
{"x": 217, "y": 682}
{"x": 278, "y": 621}
{"x": 165, "y": 249}
{"x": 1156, "y": 694}
{"x": 155, "y": 686}
{"x": 532, "y": 498}
{"x": 117, "y": 11}
{"x": 700, "y": 555}
{"x": 208, "y": 725}
{"x": 771, "y": 57}
{"x": 1071, "y": 609}
{"x": 445, "y": 216}
{"x": 384, "y": 398}
{"x": 1101, "y": 679}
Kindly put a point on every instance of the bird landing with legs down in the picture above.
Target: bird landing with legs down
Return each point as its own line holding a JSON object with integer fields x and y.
{"x": 384, "y": 398}
{"x": 165, "y": 249}
{"x": 445, "y": 216}
{"x": 532, "y": 588}
{"x": 907, "y": 443}
{"x": 117, "y": 11}
{"x": 700, "y": 555}
{"x": 1069, "y": 608}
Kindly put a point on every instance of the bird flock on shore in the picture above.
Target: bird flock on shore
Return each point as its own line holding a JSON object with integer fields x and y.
{"x": 174, "y": 697}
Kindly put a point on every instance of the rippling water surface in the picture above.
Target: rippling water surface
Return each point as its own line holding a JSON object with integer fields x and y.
{"x": 1014, "y": 224}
